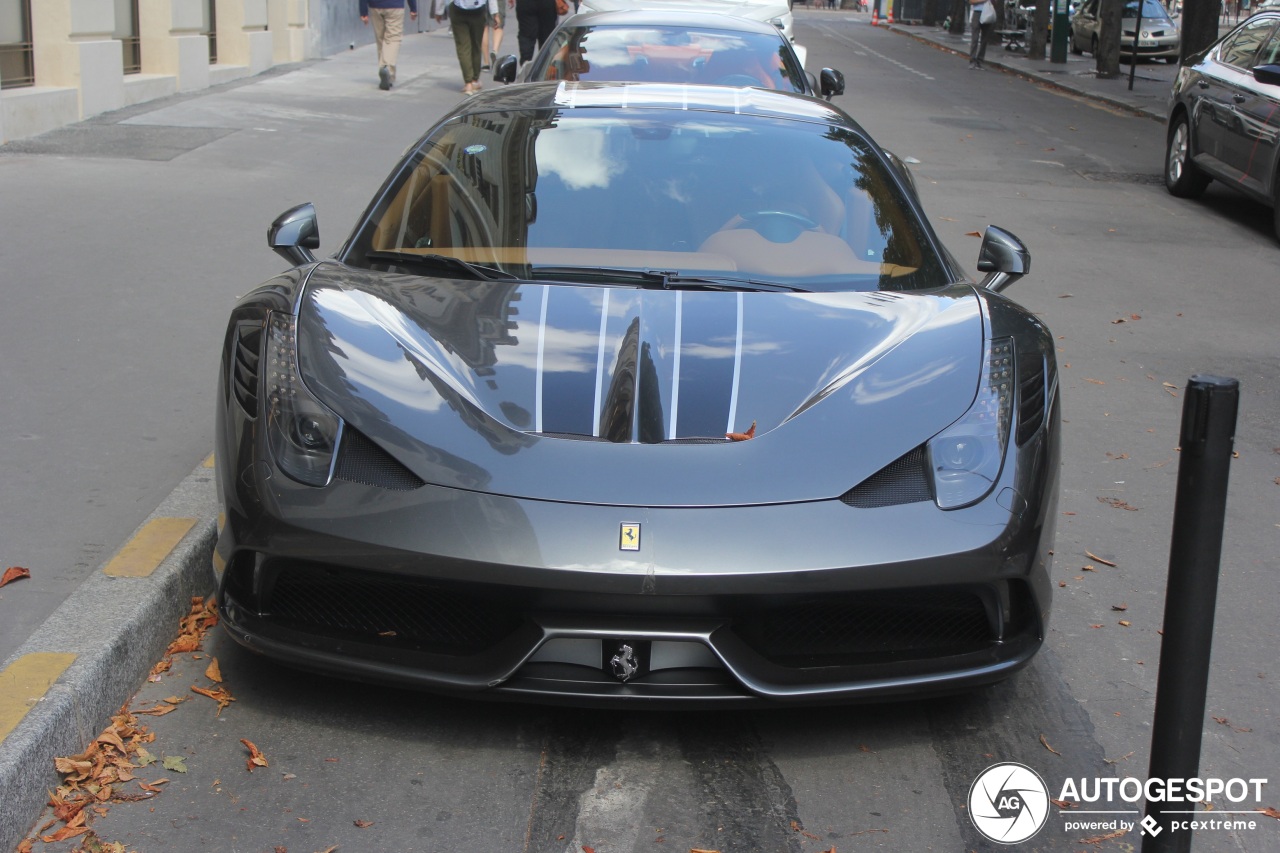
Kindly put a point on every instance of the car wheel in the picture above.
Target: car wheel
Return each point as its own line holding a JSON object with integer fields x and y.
{"x": 1181, "y": 176}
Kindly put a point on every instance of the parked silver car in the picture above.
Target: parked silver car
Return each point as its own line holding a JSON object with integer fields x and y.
{"x": 1159, "y": 37}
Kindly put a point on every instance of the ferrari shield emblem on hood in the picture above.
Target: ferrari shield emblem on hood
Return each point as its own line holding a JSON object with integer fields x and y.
{"x": 629, "y": 536}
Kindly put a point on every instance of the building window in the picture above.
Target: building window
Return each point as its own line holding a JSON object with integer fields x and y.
{"x": 211, "y": 29}
{"x": 127, "y": 33}
{"x": 16, "y": 65}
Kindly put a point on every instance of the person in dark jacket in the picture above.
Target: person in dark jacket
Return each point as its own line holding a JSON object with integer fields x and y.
{"x": 388, "y": 28}
{"x": 536, "y": 19}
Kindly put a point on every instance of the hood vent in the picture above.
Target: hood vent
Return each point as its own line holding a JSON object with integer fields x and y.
{"x": 1031, "y": 401}
{"x": 902, "y": 481}
{"x": 362, "y": 461}
{"x": 244, "y": 372}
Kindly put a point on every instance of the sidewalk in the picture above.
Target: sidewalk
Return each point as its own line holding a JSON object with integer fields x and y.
{"x": 1152, "y": 80}
{"x": 1151, "y": 84}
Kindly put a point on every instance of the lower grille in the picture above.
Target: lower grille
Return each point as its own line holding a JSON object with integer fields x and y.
{"x": 877, "y": 627}
{"x": 390, "y": 611}
{"x": 362, "y": 461}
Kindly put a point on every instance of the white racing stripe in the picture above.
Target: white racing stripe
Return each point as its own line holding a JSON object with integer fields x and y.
{"x": 675, "y": 367}
{"x": 542, "y": 338}
{"x": 737, "y": 371}
{"x": 604, "y": 328}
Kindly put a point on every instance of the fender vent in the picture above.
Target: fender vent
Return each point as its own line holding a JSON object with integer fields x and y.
{"x": 246, "y": 356}
{"x": 362, "y": 461}
{"x": 902, "y": 481}
{"x": 1031, "y": 402}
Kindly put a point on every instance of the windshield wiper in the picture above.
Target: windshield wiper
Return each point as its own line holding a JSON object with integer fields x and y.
{"x": 447, "y": 262}
{"x": 661, "y": 279}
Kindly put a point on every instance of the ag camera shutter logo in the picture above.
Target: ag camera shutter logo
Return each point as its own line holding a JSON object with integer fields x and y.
{"x": 1008, "y": 803}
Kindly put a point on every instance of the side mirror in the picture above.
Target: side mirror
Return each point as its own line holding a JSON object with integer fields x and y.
{"x": 1268, "y": 74}
{"x": 505, "y": 70}
{"x": 1003, "y": 257}
{"x": 832, "y": 83}
{"x": 294, "y": 234}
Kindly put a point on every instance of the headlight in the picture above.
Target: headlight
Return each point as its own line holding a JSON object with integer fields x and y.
{"x": 301, "y": 433}
{"x": 965, "y": 458}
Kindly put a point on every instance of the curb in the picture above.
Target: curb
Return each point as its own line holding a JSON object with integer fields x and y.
{"x": 1041, "y": 79}
{"x": 116, "y": 628}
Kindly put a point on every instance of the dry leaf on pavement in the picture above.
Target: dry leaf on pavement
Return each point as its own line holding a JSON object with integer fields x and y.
{"x": 256, "y": 758}
{"x": 14, "y": 573}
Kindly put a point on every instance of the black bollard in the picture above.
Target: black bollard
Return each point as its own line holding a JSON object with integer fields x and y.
{"x": 1208, "y": 431}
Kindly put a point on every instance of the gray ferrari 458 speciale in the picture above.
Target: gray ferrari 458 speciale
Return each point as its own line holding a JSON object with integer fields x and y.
{"x": 640, "y": 393}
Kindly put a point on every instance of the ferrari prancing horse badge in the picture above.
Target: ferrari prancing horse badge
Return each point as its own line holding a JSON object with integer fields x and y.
{"x": 629, "y": 537}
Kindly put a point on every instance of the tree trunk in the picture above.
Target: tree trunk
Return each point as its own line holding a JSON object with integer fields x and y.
{"x": 959, "y": 17}
{"x": 1199, "y": 27}
{"x": 1039, "y": 30}
{"x": 1111, "y": 13}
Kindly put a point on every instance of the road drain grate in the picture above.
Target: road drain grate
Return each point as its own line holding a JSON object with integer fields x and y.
{"x": 1146, "y": 178}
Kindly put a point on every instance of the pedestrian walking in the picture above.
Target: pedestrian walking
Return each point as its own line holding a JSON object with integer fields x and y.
{"x": 536, "y": 20}
{"x": 468, "y": 20}
{"x": 493, "y": 33}
{"x": 982, "y": 20}
{"x": 388, "y": 29}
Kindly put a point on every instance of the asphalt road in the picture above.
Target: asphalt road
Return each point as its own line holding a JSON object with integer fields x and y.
{"x": 134, "y": 234}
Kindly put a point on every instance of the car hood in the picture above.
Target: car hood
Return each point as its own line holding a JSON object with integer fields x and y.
{"x": 624, "y": 396}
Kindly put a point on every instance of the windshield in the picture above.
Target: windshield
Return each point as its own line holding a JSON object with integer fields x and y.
{"x": 670, "y": 55}
{"x": 537, "y": 193}
{"x": 1151, "y": 9}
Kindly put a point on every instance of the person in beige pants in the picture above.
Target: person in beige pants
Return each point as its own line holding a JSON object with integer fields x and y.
{"x": 388, "y": 29}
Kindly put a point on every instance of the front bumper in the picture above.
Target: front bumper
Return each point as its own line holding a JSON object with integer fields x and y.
{"x": 463, "y": 592}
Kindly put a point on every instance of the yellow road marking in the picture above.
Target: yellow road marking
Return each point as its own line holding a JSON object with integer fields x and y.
{"x": 25, "y": 681}
{"x": 208, "y": 461}
{"x": 144, "y": 553}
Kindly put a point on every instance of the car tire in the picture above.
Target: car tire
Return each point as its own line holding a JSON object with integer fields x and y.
{"x": 1181, "y": 176}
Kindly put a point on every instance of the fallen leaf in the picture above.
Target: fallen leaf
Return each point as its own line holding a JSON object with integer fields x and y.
{"x": 1270, "y": 812}
{"x": 1098, "y": 559}
{"x": 1065, "y": 804}
{"x": 1125, "y": 623}
{"x": 796, "y": 827}
{"x": 220, "y": 695}
{"x": 1095, "y": 626}
{"x": 1120, "y": 607}
{"x": 1087, "y": 569}
{"x": 14, "y": 573}
{"x": 742, "y": 436}
{"x": 363, "y": 823}
{"x": 256, "y": 758}
{"x": 1117, "y": 503}
{"x": 213, "y": 672}
{"x": 1062, "y": 583}
{"x": 973, "y": 233}
{"x": 176, "y": 763}
{"x": 1095, "y": 381}
{"x": 158, "y": 711}
{"x": 1045, "y": 742}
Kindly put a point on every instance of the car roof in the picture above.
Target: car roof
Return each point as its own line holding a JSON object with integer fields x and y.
{"x": 670, "y": 18}
{"x": 671, "y": 96}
